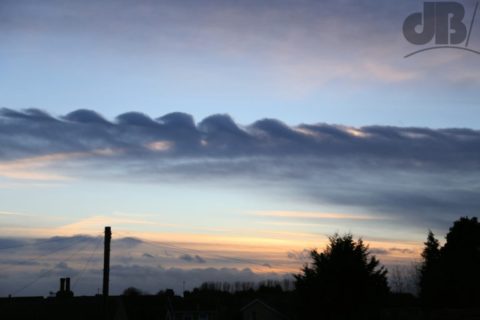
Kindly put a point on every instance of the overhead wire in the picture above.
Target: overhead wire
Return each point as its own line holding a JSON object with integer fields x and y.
{"x": 43, "y": 255}
{"x": 216, "y": 256}
{"x": 79, "y": 275}
{"x": 186, "y": 250}
{"x": 47, "y": 272}
{"x": 35, "y": 242}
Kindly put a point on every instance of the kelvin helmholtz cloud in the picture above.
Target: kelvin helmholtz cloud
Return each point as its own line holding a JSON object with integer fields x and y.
{"x": 416, "y": 175}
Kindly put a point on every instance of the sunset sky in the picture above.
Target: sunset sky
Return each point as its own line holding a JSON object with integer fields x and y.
{"x": 228, "y": 136}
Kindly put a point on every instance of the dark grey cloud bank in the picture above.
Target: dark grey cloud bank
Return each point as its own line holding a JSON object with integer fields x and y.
{"x": 33, "y": 266}
{"x": 34, "y": 132}
{"x": 415, "y": 174}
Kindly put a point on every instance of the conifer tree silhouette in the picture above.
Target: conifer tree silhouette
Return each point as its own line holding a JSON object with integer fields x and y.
{"x": 341, "y": 280}
{"x": 450, "y": 275}
{"x": 429, "y": 271}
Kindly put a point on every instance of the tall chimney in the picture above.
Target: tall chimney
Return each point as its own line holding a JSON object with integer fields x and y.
{"x": 61, "y": 293}
{"x": 62, "y": 284}
{"x": 67, "y": 284}
{"x": 106, "y": 260}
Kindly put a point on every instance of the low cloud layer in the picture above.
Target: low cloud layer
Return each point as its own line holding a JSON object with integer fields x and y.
{"x": 420, "y": 174}
{"x": 192, "y": 258}
{"x": 34, "y": 266}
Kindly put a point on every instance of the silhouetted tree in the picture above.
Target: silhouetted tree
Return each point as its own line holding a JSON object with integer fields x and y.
{"x": 404, "y": 279}
{"x": 450, "y": 275}
{"x": 341, "y": 280}
{"x": 460, "y": 260}
{"x": 430, "y": 272}
{"x": 397, "y": 280}
{"x": 270, "y": 287}
{"x": 132, "y": 292}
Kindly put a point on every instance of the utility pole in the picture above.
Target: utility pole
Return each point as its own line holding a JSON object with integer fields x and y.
{"x": 106, "y": 261}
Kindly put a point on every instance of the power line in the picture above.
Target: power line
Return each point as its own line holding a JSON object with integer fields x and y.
{"x": 39, "y": 257}
{"x": 186, "y": 250}
{"x": 35, "y": 243}
{"x": 88, "y": 262}
{"x": 47, "y": 272}
{"x": 190, "y": 250}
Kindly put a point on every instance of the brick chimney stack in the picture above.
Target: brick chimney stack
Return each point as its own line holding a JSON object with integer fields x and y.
{"x": 64, "y": 291}
{"x": 67, "y": 284}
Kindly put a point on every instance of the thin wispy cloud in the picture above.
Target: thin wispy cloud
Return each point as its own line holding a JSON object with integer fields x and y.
{"x": 11, "y": 213}
{"x": 315, "y": 215}
{"x": 32, "y": 168}
{"x": 40, "y": 167}
{"x": 91, "y": 224}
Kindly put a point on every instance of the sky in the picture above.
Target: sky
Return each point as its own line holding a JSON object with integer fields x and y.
{"x": 225, "y": 139}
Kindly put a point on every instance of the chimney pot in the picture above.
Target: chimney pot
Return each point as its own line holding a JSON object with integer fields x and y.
{"x": 62, "y": 284}
{"x": 67, "y": 284}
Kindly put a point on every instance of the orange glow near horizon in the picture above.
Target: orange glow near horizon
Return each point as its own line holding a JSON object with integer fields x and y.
{"x": 270, "y": 246}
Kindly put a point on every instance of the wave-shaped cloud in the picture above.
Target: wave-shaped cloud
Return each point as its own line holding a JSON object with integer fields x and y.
{"x": 420, "y": 173}
{"x": 33, "y": 132}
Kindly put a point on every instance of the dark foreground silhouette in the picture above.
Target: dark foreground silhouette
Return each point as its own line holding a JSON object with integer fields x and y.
{"x": 343, "y": 282}
{"x": 269, "y": 303}
{"x": 203, "y": 303}
{"x": 450, "y": 275}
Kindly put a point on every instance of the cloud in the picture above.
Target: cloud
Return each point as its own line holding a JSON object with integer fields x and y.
{"x": 19, "y": 262}
{"x": 313, "y": 215}
{"x": 192, "y": 258}
{"x": 11, "y": 243}
{"x": 303, "y": 255}
{"x": 27, "y": 168}
{"x": 128, "y": 242}
{"x": 84, "y": 116}
{"x": 432, "y": 173}
{"x": 34, "y": 266}
{"x": 148, "y": 278}
{"x": 174, "y": 278}
{"x": 290, "y": 50}
{"x": 63, "y": 267}
{"x": 402, "y": 251}
{"x": 25, "y": 134}
{"x": 11, "y": 213}
{"x": 388, "y": 73}
{"x": 159, "y": 146}
{"x": 58, "y": 243}
{"x": 90, "y": 225}
{"x": 379, "y": 251}
{"x": 86, "y": 251}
